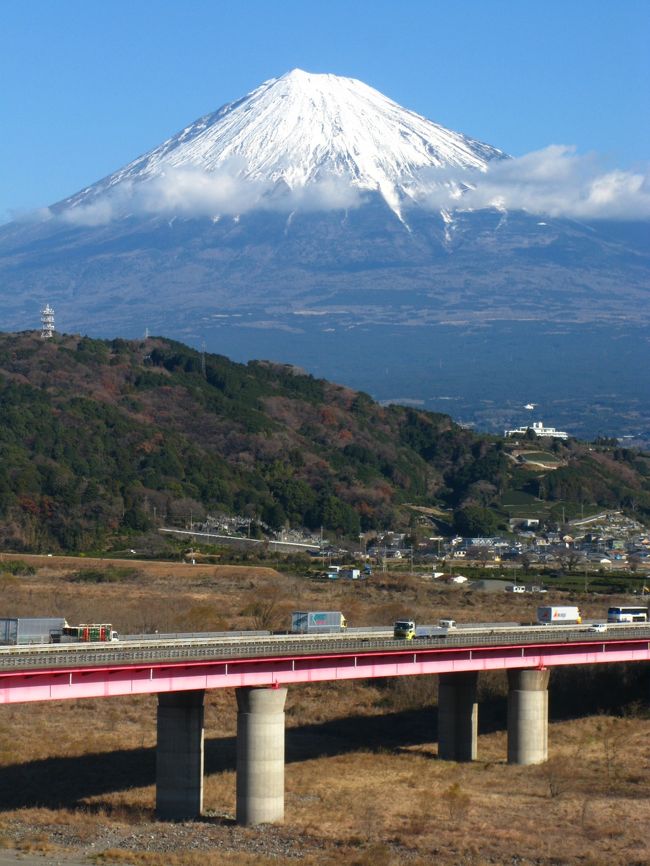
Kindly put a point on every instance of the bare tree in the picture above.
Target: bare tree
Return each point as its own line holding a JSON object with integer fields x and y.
{"x": 525, "y": 560}
{"x": 265, "y": 609}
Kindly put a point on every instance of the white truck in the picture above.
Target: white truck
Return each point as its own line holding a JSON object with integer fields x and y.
{"x": 317, "y": 622}
{"x": 406, "y": 629}
{"x": 29, "y": 629}
{"x": 562, "y": 614}
{"x": 52, "y": 629}
{"x": 90, "y": 632}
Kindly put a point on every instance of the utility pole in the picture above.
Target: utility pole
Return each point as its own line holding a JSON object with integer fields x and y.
{"x": 363, "y": 544}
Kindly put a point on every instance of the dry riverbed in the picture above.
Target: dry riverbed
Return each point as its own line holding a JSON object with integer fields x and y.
{"x": 364, "y": 785}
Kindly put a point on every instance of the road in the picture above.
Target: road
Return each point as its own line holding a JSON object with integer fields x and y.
{"x": 243, "y": 646}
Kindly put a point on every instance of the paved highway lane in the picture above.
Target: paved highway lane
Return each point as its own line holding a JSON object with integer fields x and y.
{"x": 241, "y": 646}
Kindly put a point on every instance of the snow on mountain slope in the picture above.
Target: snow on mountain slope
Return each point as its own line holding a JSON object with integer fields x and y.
{"x": 302, "y": 130}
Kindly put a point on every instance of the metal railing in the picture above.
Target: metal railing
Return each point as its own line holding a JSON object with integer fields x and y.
{"x": 158, "y": 649}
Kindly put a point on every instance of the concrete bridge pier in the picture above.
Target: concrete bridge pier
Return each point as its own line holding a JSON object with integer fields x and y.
{"x": 457, "y": 716}
{"x": 179, "y": 755}
{"x": 260, "y": 755}
{"x": 527, "y": 716}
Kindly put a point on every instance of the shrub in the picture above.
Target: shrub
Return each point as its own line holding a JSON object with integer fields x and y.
{"x": 17, "y": 567}
{"x": 104, "y": 575}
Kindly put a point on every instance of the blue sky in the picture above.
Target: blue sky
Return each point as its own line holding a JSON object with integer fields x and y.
{"x": 86, "y": 86}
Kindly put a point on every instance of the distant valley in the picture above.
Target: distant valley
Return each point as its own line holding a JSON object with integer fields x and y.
{"x": 586, "y": 379}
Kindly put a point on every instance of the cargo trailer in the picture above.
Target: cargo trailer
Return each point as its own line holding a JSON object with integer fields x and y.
{"x": 29, "y": 629}
{"x": 317, "y": 622}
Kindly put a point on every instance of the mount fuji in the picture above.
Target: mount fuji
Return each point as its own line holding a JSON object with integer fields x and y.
{"x": 318, "y": 222}
{"x": 295, "y": 140}
{"x": 318, "y": 141}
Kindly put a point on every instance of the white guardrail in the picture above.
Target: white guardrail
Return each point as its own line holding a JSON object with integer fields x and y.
{"x": 238, "y": 645}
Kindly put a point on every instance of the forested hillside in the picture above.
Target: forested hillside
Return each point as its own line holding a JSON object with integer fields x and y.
{"x": 100, "y": 438}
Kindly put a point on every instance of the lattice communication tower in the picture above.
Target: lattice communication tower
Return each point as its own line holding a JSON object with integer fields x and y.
{"x": 47, "y": 322}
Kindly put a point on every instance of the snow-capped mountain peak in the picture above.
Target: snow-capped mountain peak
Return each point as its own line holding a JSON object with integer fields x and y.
{"x": 303, "y": 129}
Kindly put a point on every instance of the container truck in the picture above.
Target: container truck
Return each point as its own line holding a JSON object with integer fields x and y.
{"x": 29, "y": 629}
{"x": 317, "y": 622}
{"x": 52, "y": 629}
{"x": 566, "y": 614}
{"x": 84, "y": 633}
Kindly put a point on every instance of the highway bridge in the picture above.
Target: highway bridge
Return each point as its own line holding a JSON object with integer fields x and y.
{"x": 260, "y": 667}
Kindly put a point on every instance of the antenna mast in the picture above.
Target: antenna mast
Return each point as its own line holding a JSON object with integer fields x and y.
{"x": 47, "y": 322}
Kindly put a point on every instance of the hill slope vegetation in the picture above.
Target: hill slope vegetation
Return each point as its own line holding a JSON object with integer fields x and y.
{"x": 99, "y": 438}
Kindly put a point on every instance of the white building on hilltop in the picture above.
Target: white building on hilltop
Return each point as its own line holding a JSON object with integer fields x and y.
{"x": 538, "y": 429}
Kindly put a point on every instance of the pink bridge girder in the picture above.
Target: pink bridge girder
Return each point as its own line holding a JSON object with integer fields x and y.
{"x": 153, "y": 677}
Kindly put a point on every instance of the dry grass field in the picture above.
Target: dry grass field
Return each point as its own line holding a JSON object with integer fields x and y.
{"x": 364, "y": 785}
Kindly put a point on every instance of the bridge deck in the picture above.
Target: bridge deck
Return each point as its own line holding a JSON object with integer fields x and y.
{"x": 42, "y": 673}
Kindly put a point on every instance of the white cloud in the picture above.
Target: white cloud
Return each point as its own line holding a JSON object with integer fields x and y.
{"x": 33, "y": 215}
{"x": 98, "y": 212}
{"x": 554, "y": 182}
{"x": 194, "y": 193}
{"x": 174, "y": 192}
{"x": 329, "y": 193}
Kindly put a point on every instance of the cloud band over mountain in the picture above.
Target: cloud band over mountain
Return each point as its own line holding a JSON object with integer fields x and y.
{"x": 191, "y": 192}
{"x": 554, "y": 182}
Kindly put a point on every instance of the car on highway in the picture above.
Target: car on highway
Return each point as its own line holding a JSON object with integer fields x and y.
{"x": 598, "y": 627}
